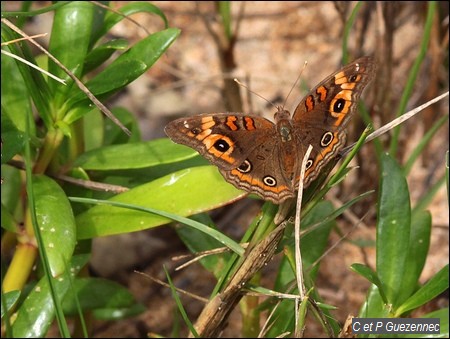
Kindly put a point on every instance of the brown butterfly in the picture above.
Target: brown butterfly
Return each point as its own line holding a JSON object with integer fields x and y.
{"x": 262, "y": 157}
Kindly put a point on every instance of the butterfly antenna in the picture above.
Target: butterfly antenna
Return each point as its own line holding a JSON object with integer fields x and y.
{"x": 295, "y": 83}
{"x": 248, "y": 89}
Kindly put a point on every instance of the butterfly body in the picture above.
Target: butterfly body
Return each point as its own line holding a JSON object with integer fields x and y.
{"x": 262, "y": 157}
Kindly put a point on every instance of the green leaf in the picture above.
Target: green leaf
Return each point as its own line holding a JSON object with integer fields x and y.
{"x": 69, "y": 43}
{"x": 96, "y": 293}
{"x": 178, "y": 193}
{"x": 112, "y": 18}
{"x": 56, "y": 222}
{"x": 37, "y": 87}
{"x": 127, "y": 67}
{"x": 393, "y": 228}
{"x": 435, "y": 286}
{"x": 13, "y": 140}
{"x": 10, "y": 299}
{"x": 417, "y": 253}
{"x": 11, "y": 188}
{"x": 371, "y": 276}
{"x": 313, "y": 245}
{"x": 119, "y": 313}
{"x": 114, "y": 135}
{"x": 8, "y": 222}
{"x": 15, "y": 96}
{"x": 93, "y": 128}
{"x": 134, "y": 155}
{"x": 315, "y": 242}
{"x": 37, "y": 312}
{"x": 198, "y": 241}
{"x": 180, "y": 305}
{"x": 102, "y": 53}
{"x": 374, "y": 306}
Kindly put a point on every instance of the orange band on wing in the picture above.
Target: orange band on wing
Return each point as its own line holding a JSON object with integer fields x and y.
{"x": 249, "y": 124}
{"x": 322, "y": 91}
{"x": 255, "y": 182}
{"x": 340, "y": 78}
{"x": 309, "y": 103}
{"x": 208, "y": 122}
{"x": 231, "y": 123}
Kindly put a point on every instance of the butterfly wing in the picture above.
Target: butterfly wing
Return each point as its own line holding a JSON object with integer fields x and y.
{"x": 262, "y": 173}
{"x": 321, "y": 117}
{"x": 244, "y": 148}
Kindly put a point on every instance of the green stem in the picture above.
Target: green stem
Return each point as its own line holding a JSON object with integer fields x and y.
{"x": 52, "y": 142}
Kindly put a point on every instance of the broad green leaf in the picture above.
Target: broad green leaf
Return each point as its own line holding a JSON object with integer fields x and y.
{"x": 100, "y": 131}
{"x": 435, "y": 286}
{"x": 15, "y": 95}
{"x": 198, "y": 241}
{"x": 126, "y": 68}
{"x": 371, "y": 276}
{"x": 37, "y": 312}
{"x": 37, "y": 87}
{"x": 179, "y": 193}
{"x": 11, "y": 188}
{"x": 10, "y": 299}
{"x": 56, "y": 222}
{"x": 315, "y": 242}
{"x": 393, "y": 228}
{"x": 96, "y": 293}
{"x": 374, "y": 306}
{"x": 69, "y": 43}
{"x": 12, "y": 139}
{"x": 93, "y": 128}
{"x": 134, "y": 155}
{"x": 8, "y": 222}
{"x": 102, "y": 53}
{"x": 417, "y": 253}
{"x": 112, "y": 18}
{"x": 113, "y": 135}
{"x": 119, "y": 313}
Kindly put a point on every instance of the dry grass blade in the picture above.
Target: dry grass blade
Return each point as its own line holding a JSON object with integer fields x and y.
{"x": 298, "y": 255}
{"x": 26, "y": 61}
{"x": 396, "y": 122}
{"x": 201, "y": 255}
{"x": 93, "y": 185}
{"x": 162, "y": 283}
{"x": 33, "y": 66}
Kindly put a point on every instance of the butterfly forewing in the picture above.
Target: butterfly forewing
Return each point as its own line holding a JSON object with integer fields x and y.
{"x": 219, "y": 137}
{"x": 331, "y": 103}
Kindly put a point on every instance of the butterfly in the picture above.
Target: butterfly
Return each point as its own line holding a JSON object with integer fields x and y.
{"x": 264, "y": 157}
